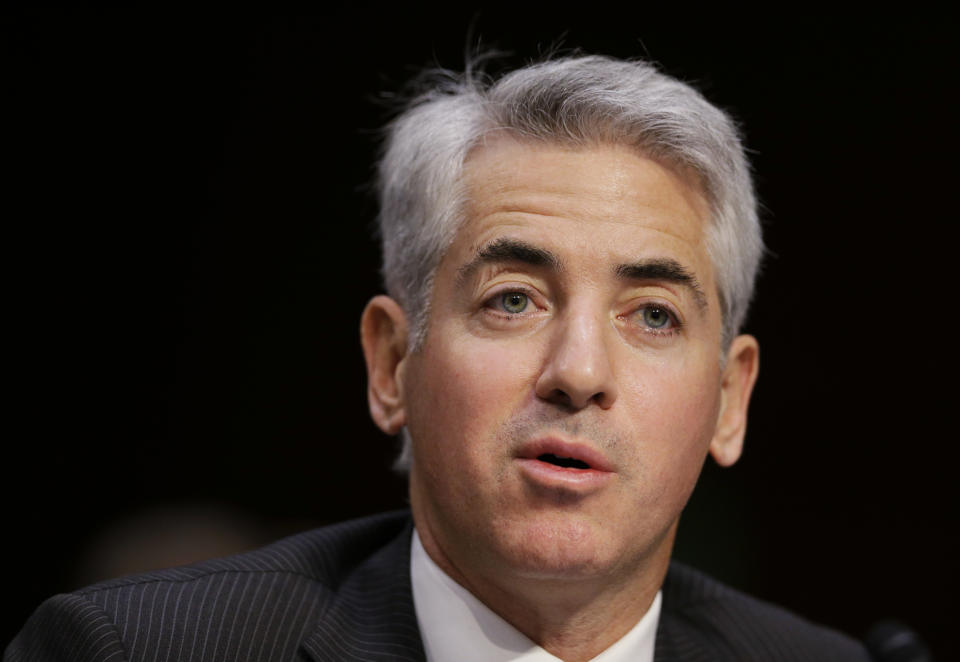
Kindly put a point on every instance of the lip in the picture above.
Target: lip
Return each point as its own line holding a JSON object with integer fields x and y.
{"x": 576, "y": 479}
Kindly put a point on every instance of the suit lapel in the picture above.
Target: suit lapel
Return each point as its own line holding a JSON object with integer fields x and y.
{"x": 684, "y": 633}
{"x": 372, "y": 616}
{"x": 678, "y": 642}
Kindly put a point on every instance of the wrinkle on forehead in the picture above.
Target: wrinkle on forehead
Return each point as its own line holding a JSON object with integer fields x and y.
{"x": 506, "y": 177}
{"x": 498, "y": 169}
{"x": 493, "y": 224}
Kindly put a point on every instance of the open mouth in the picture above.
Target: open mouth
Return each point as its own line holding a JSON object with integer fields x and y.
{"x": 565, "y": 462}
{"x": 572, "y": 467}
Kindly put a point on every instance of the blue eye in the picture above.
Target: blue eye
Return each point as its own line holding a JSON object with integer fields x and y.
{"x": 514, "y": 302}
{"x": 656, "y": 317}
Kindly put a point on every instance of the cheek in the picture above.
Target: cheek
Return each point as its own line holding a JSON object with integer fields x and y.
{"x": 461, "y": 393}
{"x": 676, "y": 408}
{"x": 683, "y": 396}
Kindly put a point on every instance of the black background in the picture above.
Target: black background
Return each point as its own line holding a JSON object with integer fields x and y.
{"x": 189, "y": 249}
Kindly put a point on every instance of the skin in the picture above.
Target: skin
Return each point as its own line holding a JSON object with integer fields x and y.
{"x": 569, "y": 351}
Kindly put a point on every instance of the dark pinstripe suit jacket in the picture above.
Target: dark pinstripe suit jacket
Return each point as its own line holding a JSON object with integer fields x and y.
{"x": 343, "y": 593}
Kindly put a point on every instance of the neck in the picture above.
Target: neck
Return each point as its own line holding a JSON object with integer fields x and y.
{"x": 574, "y": 619}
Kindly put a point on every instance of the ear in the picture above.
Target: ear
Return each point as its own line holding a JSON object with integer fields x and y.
{"x": 383, "y": 334}
{"x": 739, "y": 376}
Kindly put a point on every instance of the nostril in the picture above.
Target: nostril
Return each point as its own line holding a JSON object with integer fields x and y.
{"x": 564, "y": 399}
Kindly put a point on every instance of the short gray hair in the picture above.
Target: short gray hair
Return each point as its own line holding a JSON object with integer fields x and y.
{"x": 580, "y": 101}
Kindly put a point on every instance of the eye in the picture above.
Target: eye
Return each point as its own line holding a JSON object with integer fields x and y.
{"x": 656, "y": 317}
{"x": 514, "y": 302}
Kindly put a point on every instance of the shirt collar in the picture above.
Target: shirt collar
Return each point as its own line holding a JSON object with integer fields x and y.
{"x": 454, "y": 625}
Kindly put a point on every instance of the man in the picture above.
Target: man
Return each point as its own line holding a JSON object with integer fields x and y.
{"x": 569, "y": 255}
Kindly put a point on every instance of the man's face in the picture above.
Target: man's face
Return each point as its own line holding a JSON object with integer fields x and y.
{"x": 569, "y": 387}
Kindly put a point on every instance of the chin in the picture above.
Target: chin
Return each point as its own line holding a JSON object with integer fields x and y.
{"x": 551, "y": 547}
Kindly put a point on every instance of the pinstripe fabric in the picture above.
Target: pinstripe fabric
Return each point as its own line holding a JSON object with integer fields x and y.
{"x": 338, "y": 593}
{"x": 343, "y": 593}
{"x": 705, "y": 621}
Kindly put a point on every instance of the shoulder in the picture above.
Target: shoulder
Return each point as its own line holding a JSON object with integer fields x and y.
{"x": 256, "y": 605}
{"x": 702, "y": 614}
{"x": 321, "y": 555}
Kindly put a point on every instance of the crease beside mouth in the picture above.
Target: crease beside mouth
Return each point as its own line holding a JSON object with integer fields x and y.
{"x": 566, "y": 462}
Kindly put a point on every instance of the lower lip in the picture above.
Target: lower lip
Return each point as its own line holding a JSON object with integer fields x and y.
{"x": 566, "y": 478}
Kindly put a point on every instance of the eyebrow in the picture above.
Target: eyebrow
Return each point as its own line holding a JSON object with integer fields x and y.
{"x": 664, "y": 270}
{"x": 506, "y": 249}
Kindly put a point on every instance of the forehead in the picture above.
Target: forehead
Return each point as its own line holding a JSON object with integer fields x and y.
{"x": 590, "y": 174}
{"x": 602, "y": 202}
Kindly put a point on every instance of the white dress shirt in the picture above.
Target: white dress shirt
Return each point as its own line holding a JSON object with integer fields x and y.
{"x": 456, "y": 627}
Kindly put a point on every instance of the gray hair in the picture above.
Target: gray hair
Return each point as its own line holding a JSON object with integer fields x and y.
{"x": 579, "y": 101}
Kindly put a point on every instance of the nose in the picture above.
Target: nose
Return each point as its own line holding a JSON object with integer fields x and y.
{"x": 578, "y": 371}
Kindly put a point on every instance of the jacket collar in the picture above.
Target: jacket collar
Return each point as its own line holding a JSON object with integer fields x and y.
{"x": 372, "y": 616}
